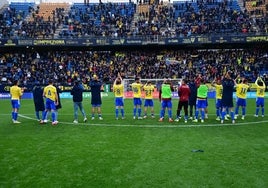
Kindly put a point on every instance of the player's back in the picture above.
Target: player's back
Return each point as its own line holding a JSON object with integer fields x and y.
{"x": 15, "y": 92}
{"x": 260, "y": 91}
{"x": 118, "y": 90}
{"x": 50, "y": 92}
{"x": 136, "y": 88}
{"x": 241, "y": 90}
{"x": 148, "y": 89}
{"x": 227, "y": 88}
{"x": 38, "y": 94}
{"x": 218, "y": 88}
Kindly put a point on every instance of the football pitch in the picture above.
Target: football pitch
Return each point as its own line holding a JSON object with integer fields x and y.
{"x": 131, "y": 153}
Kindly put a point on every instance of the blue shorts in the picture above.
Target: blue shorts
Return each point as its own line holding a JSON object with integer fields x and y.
{"x": 241, "y": 102}
{"x": 201, "y": 103}
{"x": 15, "y": 103}
{"x": 137, "y": 101}
{"x": 166, "y": 104}
{"x": 260, "y": 101}
{"x": 218, "y": 103}
{"x": 50, "y": 104}
{"x": 148, "y": 102}
{"x": 96, "y": 105}
{"x": 119, "y": 101}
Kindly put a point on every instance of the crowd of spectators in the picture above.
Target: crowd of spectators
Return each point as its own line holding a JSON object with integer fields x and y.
{"x": 66, "y": 67}
{"x": 200, "y": 17}
{"x": 104, "y": 19}
{"x": 28, "y": 24}
{"x": 118, "y": 19}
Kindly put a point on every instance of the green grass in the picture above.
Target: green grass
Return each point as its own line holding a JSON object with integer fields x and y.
{"x": 131, "y": 153}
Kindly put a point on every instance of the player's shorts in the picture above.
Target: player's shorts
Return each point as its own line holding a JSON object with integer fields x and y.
{"x": 119, "y": 101}
{"x": 15, "y": 103}
{"x": 218, "y": 103}
{"x": 192, "y": 102}
{"x": 227, "y": 103}
{"x": 166, "y": 104}
{"x": 137, "y": 101}
{"x": 50, "y": 104}
{"x": 206, "y": 102}
{"x": 148, "y": 102}
{"x": 241, "y": 102}
{"x": 201, "y": 103}
{"x": 96, "y": 105}
{"x": 39, "y": 106}
{"x": 260, "y": 101}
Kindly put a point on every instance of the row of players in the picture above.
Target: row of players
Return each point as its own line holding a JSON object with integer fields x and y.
{"x": 192, "y": 94}
{"x": 52, "y": 100}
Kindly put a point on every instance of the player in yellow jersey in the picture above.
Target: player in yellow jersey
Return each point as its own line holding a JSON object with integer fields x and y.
{"x": 16, "y": 92}
{"x": 51, "y": 95}
{"x": 218, "y": 87}
{"x": 260, "y": 94}
{"x": 118, "y": 89}
{"x": 241, "y": 94}
{"x": 149, "y": 90}
{"x": 136, "y": 89}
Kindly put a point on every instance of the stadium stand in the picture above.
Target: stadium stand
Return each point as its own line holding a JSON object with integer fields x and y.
{"x": 256, "y": 8}
{"x": 67, "y": 66}
{"x": 106, "y": 19}
{"x": 178, "y": 19}
{"x": 112, "y": 20}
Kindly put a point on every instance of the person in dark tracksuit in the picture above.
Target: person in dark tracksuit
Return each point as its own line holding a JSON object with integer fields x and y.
{"x": 38, "y": 100}
{"x": 192, "y": 98}
{"x": 96, "y": 87}
{"x": 58, "y": 106}
{"x": 77, "y": 93}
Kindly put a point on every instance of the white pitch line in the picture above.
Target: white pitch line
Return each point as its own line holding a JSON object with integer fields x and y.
{"x": 185, "y": 125}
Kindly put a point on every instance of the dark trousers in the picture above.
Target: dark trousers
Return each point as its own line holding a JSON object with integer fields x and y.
{"x": 183, "y": 104}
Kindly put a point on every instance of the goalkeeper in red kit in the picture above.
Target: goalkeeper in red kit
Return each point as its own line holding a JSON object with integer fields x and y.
{"x": 184, "y": 94}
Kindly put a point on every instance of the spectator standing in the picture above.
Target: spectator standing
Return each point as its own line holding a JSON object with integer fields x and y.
{"x": 77, "y": 93}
